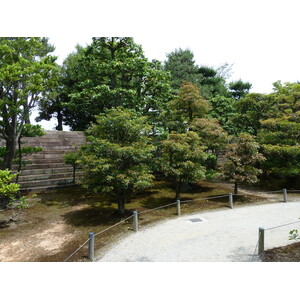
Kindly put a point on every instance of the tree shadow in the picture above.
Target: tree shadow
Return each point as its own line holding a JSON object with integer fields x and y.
{"x": 93, "y": 216}
{"x": 66, "y": 197}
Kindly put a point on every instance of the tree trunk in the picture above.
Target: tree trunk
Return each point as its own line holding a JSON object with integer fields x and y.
{"x": 10, "y": 152}
{"x": 235, "y": 188}
{"x": 121, "y": 205}
{"x": 27, "y": 115}
{"x": 59, "y": 126}
{"x": 178, "y": 183}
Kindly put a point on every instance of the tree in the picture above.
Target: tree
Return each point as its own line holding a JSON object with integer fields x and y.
{"x": 239, "y": 88}
{"x": 250, "y": 111}
{"x": 190, "y": 102}
{"x": 224, "y": 111}
{"x": 279, "y": 134}
{"x": 56, "y": 104}
{"x": 27, "y": 72}
{"x": 182, "y": 158}
{"x": 113, "y": 72}
{"x": 241, "y": 161}
{"x": 117, "y": 158}
{"x": 212, "y": 135}
{"x": 181, "y": 65}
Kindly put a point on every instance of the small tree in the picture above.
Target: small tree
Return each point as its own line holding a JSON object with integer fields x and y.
{"x": 241, "y": 161}
{"x": 117, "y": 158}
{"x": 182, "y": 158}
{"x": 9, "y": 191}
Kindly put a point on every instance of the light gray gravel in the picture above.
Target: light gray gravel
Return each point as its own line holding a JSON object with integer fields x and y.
{"x": 227, "y": 235}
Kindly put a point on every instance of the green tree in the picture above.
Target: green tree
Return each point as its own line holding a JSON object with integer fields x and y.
{"x": 224, "y": 111}
{"x": 117, "y": 158}
{"x": 211, "y": 133}
{"x": 181, "y": 65}
{"x": 114, "y": 72}
{"x": 280, "y": 133}
{"x": 182, "y": 159}
{"x": 250, "y": 111}
{"x": 27, "y": 72}
{"x": 239, "y": 88}
{"x": 241, "y": 161}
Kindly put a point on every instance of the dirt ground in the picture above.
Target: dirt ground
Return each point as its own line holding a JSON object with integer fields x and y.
{"x": 58, "y": 222}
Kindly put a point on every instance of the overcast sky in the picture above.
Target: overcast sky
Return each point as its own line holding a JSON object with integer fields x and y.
{"x": 259, "y": 38}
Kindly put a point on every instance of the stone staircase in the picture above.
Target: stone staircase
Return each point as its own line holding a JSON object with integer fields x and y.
{"x": 46, "y": 169}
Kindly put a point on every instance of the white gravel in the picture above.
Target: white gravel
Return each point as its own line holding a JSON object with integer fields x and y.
{"x": 227, "y": 235}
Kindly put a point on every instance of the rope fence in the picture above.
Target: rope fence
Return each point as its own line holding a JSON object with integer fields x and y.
{"x": 134, "y": 216}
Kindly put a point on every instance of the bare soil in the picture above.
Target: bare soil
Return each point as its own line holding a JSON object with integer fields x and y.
{"x": 289, "y": 253}
{"x": 59, "y": 221}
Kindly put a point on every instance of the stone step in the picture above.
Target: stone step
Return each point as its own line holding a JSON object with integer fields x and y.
{"x": 45, "y": 188}
{"x": 39, "y": 161}
{"x": 42, "y": 166}
{"x": 47, "y": 182}
{"x": 45, "y": 171}
{"x": 36, "y": 177}
{"x": 42, "y": 155}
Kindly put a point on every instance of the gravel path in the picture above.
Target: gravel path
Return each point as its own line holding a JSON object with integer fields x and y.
{"x": 226, "y": 235}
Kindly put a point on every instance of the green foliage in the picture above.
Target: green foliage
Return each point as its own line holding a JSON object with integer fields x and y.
{"x": 71, "y": 158}
{"x": 117, "y": 158}
{"x": 27, "y": 72}
{"x": 182, "y": 158}
{"x": 181, "y": 65}
{"x": 113, "y": 72}
{"x": 9, "y": 191}
{"x": 294, "y": 235}
{"x": 250, "y": 111}
{"x": 280, "y": 133}
{"x": 212, "y": 135}
{"x": 239, "y": 89}
{"x": 222, "y": 109}
{"x": 241, "y": 161}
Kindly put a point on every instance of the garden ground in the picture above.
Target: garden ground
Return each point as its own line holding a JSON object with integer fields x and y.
{"x": 58, "y": 222}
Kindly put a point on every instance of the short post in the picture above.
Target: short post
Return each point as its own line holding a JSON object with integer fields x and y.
{"x": 230, "y": 200}
{"x": 178, "y": 208}
{"x": 261, "y": 240}
{"x": 284, "y": 195}
{"x": 135, "y": 221}
{"x": 91, "y": 246}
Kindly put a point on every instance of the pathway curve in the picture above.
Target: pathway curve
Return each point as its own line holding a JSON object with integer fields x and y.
{"x": 214, "y": 236}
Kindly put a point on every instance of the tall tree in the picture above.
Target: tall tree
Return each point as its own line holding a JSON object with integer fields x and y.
{"x": 280, "y": 133}
{"x": 27, "y": 72}
{"x": 181, "y": 65}
{"x": 239, "y": 88}
{"x": 250, "y": 111}
{"x": 114, "y": 72}
{"x": 117, "y": 158}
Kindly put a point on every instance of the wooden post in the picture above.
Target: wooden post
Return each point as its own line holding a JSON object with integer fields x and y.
{"x": 178, "y": 208}
{"x": 135, "y": 221}
{"x": 261, "y": 240}
{"x": 91, "y": 246}
{"x": 284, "y": 195}
{"x": 230, "y": 200}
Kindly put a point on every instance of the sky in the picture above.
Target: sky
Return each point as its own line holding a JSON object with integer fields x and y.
{"x": 259, "y": 38}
